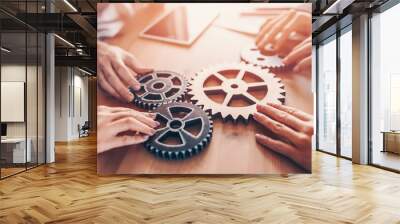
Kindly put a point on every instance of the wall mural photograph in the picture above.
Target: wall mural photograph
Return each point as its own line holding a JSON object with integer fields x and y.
{"x": 205, "y": 88}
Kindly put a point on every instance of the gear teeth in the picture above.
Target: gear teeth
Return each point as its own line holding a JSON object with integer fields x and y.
{"x": 196, "y": 150}
{"x": 246, "y": 120}
{"x": 251, "y": 55}
{"x": 183, "y": 153}
{"x": 163, "y": 154}
{"x": 235, "y": 117}
{"x": 190, "y": 151}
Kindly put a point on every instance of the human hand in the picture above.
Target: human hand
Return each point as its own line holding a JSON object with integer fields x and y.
{"x": 294, "y": 128}
{"x": 114, "y": 124}
{"x": 300, "y": 56}
{"x": 277, "y": 36}
{"x": 117, "y": 70}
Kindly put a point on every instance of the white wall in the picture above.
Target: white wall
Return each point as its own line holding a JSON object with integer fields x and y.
{"x": 71, "y": 93}
{"x": 81, "y": 103}
{"x": 33, "y": 127}
{"x": 16, "y": 73}
{"x": 61, "y": 103}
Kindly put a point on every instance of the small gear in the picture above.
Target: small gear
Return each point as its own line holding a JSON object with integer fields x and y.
{"x": 160, "y": 87}
{"x": 253, "y": 56}
{"x": 185, "y": 130}
{"x": 233, "y": 90}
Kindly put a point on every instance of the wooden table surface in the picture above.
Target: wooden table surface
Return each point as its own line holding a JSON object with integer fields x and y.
{"x": 233, "y": 149}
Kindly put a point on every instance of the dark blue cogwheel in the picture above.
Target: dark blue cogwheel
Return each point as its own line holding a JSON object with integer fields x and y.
{"x": 160, "y": 87}
{"x": 185, "y": 130}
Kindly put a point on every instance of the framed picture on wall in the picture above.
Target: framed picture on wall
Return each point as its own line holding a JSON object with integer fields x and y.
{"x": 12, "y": 101}
{"x": 214, "y": 106}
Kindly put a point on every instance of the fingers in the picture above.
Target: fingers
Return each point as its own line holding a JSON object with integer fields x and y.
{"x": 125, "y": 109}
{"x": 116, "y": 83}
{"x": 299, "y": 53}
{"x": 265, "y": 27}
{"x": 114, "y": 122}
{"x": 120, "y": 69}
{"x": 134, "y": 64}
{"x": 151, "y": 115}
{"x": 287, "y": 47}
{"x": 276, "y": 145}
{"x": 275, "y": 34}
{"x": 266, "y": 22}
{"x": 126, "y": 140}
{"x": 303, "y": 65}
{"x": 139, "y": 116}
{"x": 106, "y": 86}
{"x": 304, "y": 41}
{"x": 295, "y": 112}
{"x": 111, "y": 110}
{"x": 261, "y": 38}
{"x": 270, "y": 37}
{"x": 131, "y": 124}
{"x": 280, "y": 129}
{"x": 287, "y": 150}
{"x": 118, "y": 109}
{"x": 304, "y": 24}
{"x": 282, "y": 117}
{"x": 286, "y": 31}
{"x": 295, "y": 30}
{"x": 116, "y": 113}
{"x": 126, "y": 75}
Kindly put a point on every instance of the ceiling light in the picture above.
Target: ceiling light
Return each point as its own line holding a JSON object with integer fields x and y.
{"x": 5, "y": 50}
{"x": 65, "y": 41}
{"x": 337, "y": 7}
{"x": 79, "y": 51}
{"x": 70, "y": 5}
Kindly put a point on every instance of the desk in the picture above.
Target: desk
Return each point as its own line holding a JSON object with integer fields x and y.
{"x": 391, "y": 141}
{"x": 13, "y": 150}
{"x": 233, "y": 149}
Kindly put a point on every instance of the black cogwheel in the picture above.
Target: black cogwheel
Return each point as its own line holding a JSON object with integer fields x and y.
{"x": 185, "y": 131}
{"x": 160, "y": 87}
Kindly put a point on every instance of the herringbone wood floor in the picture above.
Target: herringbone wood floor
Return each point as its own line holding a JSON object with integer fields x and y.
{"x": 70, "y": 191}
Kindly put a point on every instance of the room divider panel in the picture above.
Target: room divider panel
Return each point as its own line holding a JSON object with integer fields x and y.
{"x": 22, "y": 77}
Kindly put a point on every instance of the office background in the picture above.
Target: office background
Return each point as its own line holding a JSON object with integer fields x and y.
{"x": 22, "y": 76}
{"x": 27, "y": 67}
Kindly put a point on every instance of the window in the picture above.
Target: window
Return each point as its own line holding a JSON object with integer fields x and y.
{"x": 327, "y": 96}
{"x": 346, "y": 92}
{"x": 385, "y": 89}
